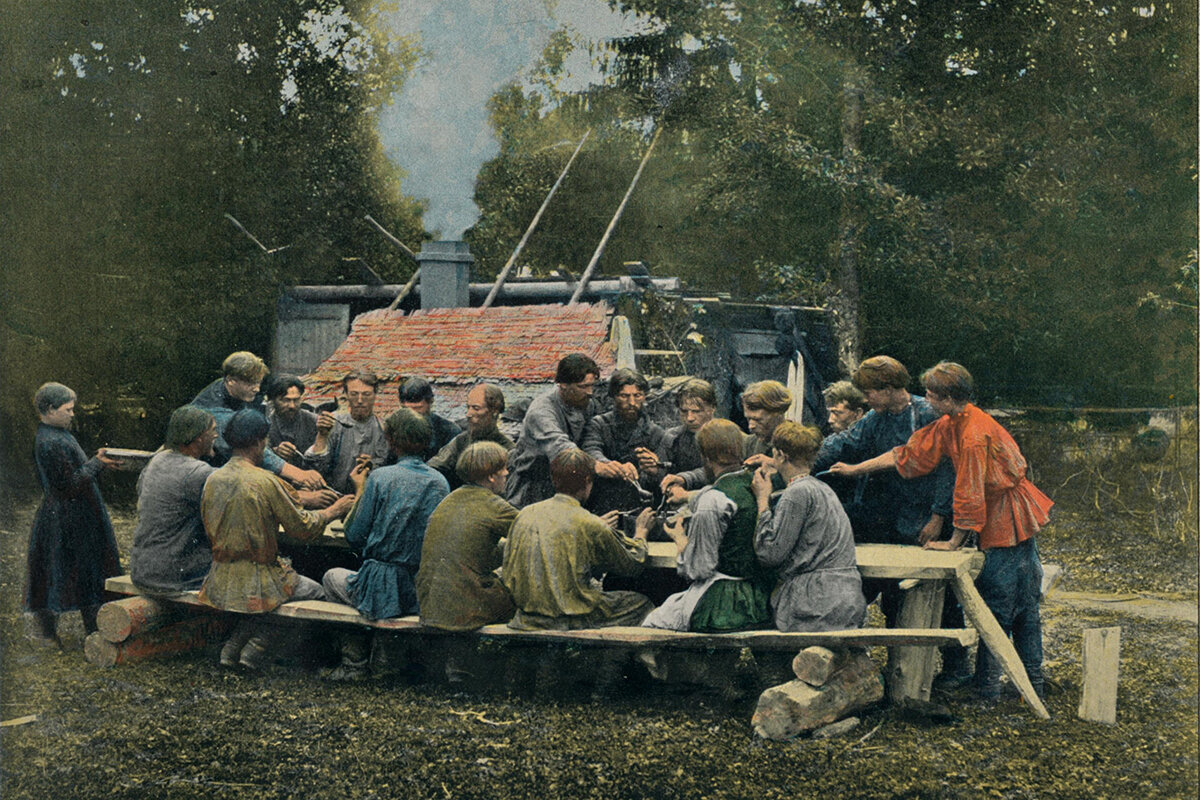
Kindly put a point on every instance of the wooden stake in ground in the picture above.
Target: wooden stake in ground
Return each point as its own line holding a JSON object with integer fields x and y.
{"x": 1101, "y": 664}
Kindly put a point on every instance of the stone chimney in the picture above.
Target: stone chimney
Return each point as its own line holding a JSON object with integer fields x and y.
{"x": 445, "y": 274}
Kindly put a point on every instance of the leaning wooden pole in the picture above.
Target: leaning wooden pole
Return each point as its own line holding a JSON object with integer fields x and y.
{"x": 391, "y": 238}
{"x": 503, "y": 276}
{"x": 408, "y": 287}
{"x": 591, "y": 267}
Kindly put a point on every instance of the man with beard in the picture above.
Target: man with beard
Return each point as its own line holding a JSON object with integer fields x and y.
{"x": 485, "y": 404}
{"x": 623, "y": 442}
{"x": 293, "y": 429}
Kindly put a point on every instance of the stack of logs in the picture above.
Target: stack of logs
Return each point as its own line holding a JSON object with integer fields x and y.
{"x": 829, "y": 685}
{"x": 139, "y": 628}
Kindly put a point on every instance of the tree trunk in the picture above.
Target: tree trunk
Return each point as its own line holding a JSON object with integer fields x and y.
{"x": 845, "y": 297}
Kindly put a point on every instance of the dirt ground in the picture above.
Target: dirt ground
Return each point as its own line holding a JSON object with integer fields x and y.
{"x": 183, "y": 728}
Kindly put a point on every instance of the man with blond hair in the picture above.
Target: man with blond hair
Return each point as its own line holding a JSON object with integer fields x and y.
{"x": 240, "y": 387}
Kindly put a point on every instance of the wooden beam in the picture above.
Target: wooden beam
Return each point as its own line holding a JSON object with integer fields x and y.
{"x": 992, "y": 635}
{"x": 391, "y": 237}
{"x": 324, "y": 611}
{"x": 591, "y": 267}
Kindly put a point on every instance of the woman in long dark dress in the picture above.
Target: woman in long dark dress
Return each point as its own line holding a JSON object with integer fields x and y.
{"x": 71, "y": 546}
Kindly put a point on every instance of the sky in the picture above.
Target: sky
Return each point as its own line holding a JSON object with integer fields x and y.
{"x": 437, "y": 129}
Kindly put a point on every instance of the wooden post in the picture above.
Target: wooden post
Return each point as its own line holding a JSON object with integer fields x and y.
{"x": 1101, "y": 664}
{"x": 981, "y": 618}
{"x": 910, "y": 669}
{"x": 591, "y": 267}
{"x": 503, "y": 276}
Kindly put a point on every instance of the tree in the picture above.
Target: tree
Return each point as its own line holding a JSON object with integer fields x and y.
{"x": 1010, "y": 187}
{"x": 129, "y": 136}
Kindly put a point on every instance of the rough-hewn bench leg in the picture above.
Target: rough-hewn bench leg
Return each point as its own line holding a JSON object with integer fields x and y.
{"x": 910, "y": 669}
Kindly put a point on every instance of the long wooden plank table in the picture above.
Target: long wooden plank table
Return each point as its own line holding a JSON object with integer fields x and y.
{"x": 934, "y": 569}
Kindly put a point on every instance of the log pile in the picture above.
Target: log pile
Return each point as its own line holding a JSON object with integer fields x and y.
{"x": 139, "y": 628}
{"x": 829, "y": 685}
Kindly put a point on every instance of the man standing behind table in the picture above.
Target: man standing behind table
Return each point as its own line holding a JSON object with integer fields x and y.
{"x": 243, "y": 507}
{"x": 293, "y": 429}
{"x": 764, "y": 404}
{"x": 886, "y": 508}
{"x": 556, "y": 548}
{"x": 417, "y": 394}
{"x": 171, "y": 552}
{"x": 387, "y": 527}
{"x": 554, "y": 422}
{"x": 243, "y": 373}
{"x": 485, "y": 404}
{"x": 623, "y": 442}
{"x": 346, "y": 437}
{"x": 893, "y": 510}
{"x": 678, "y": 452}
{"x": 846, "y": 406}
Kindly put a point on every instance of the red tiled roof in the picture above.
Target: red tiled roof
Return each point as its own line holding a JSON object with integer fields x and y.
{"x": 455, "y": 348}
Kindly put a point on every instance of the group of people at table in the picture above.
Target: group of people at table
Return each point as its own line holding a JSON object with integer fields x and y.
{"x": 466, "y": 528}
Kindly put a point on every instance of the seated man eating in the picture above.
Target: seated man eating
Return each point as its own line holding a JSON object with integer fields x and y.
{"x": 387, "y": 527}
{"x": 556, "y": 549}
{"x": 243, "y": 507}
{"x": 457, "y": 585}
{"x": 730, "y": 591}
{"x": 171, "y": 553}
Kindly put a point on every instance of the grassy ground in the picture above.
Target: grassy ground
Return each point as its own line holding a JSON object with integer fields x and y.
{"x": 183, "y": 728}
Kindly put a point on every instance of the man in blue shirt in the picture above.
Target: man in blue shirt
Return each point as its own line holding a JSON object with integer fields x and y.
{"x": 387, "y": 527}
{"x": 888, "y": 509}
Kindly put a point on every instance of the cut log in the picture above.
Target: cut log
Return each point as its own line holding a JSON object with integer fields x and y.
{"x": 1101, "y": 665}
{"x": 814, "y": 665}
{"x": 910, "y": 669}
{"x": 788, "y": 710}
{"x": 130, "y": 616}
{"x": 179, "y": 637}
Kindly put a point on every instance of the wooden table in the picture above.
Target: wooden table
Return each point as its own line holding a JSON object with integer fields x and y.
{"x": 924, "y": 574}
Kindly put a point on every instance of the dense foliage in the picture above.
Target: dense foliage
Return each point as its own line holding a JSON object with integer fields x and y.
{"x": 1010, "y": 185}
{"x": 128, "y": 135}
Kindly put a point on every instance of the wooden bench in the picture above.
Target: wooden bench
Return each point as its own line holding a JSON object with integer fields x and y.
{"x": 924, "y": 573}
